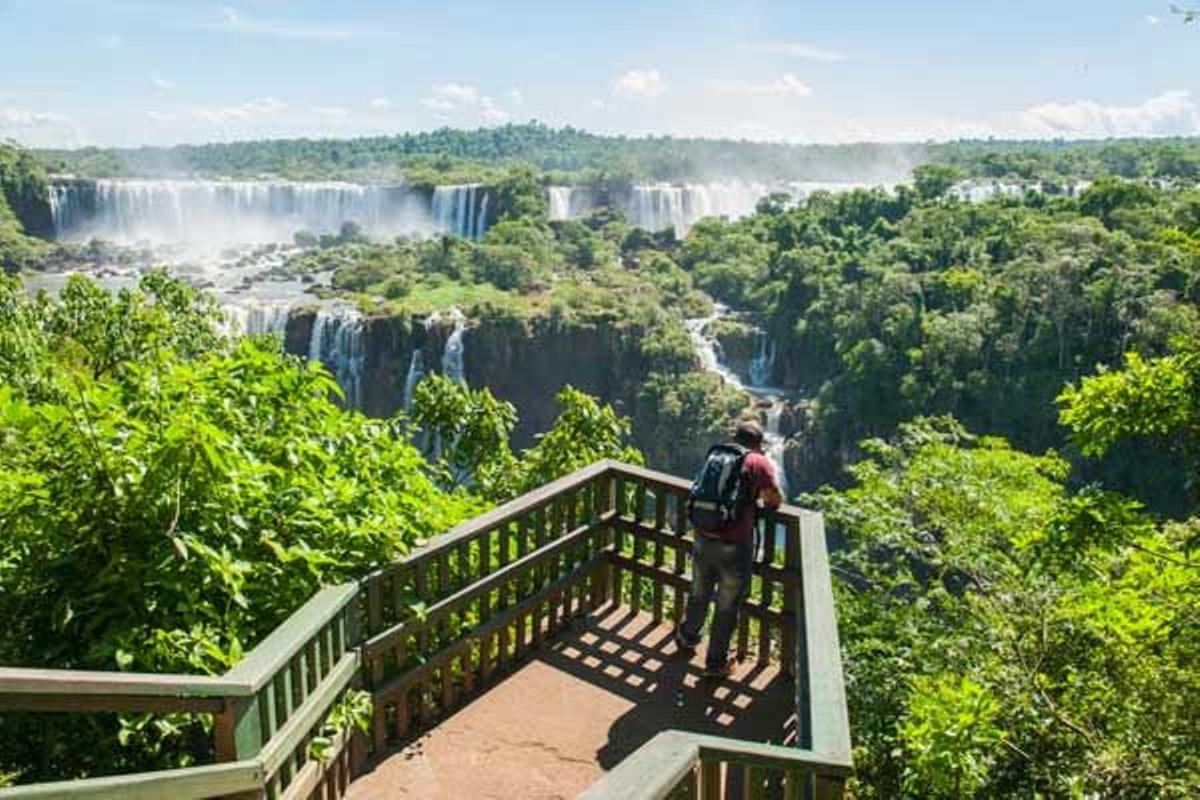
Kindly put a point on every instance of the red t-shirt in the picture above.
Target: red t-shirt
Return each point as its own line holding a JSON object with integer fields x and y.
{"x": 759, "y": 474}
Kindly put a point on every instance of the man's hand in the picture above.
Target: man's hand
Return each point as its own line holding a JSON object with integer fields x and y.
{"x": 771, "y": 497}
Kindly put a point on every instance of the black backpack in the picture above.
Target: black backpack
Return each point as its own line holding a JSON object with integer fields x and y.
{"x": 719, "y": 492}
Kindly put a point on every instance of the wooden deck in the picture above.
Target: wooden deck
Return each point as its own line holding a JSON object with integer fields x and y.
{"x": 590, "y": 698}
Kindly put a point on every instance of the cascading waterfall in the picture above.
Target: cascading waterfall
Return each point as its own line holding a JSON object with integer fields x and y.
{"x": 173, "y": 211}
{"x": 337, "y": 342}
{"x": 708, "y": 349}
{"x": 560, "y": 202}
{"x": 762, "y": 366}
{"x": 416, "y": 371}
{"x": 570, "y": 202}
{"x": 254, "y": 318}
{"x": 452, "y": 355}
{"x": 460, "y": 209}
{"x": 657, "y": 206}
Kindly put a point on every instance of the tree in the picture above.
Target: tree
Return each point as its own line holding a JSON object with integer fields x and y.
{"x": 1006, "y": 636}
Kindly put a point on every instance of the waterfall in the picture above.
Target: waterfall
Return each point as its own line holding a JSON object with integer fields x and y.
{"x": 774, "y": 443}
{"x": 569, "y": 202}
{"x": 254, "y": 318}
{"x": 460, "y": 209}
{"x": 228, "y": 212}
{"x": 762, "y": 366}
{"x": 657, "y": 206}
{"x": 560, "y": 201}
{"x": 416, "y": 371}
{"x": 708, "y": 349}
{"x": 452, "y": 356}
{"x": 337, "y": 342}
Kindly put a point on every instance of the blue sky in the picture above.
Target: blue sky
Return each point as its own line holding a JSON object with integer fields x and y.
{"x": 124, "y": 73}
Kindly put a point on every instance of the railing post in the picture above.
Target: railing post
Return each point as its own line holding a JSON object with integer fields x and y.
{"x": 237, "y": 736}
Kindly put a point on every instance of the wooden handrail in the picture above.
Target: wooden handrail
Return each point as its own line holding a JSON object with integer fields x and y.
{"x": 272, "y": 654}
{"x": 191, "y": 783}
{"x": 668, "y": 763}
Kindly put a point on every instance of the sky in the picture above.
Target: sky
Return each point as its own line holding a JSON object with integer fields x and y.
{"x": 123, "y": 73}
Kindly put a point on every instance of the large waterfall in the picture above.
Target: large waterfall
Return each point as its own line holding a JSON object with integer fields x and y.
{"x": 228, "y": 212}
{"x": 657, "y": 206}
{"x": 461, "y": 209}
{"x": 337, "y": 342}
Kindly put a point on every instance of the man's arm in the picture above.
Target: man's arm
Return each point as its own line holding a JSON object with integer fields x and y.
{"x": 771, "y": 497}
{"x": 768, "y": 493}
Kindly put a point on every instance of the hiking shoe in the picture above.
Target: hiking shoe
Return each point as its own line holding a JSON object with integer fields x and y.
{"x": 721, "y": 672}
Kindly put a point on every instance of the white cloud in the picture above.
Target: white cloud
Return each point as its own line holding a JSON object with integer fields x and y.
{"x": 801, "y": 50}
{"x": 160, "y": 82}
{"x": 1172, "y": 113}
{"x": 39, "y": 128}
{"x": 462, "y": 99}
{"x": 162, "y": 116}
{"x": 233, "y": 21}
{"x": 489, "y": 113}
{"x": 380, "y": 103}
{"x": 110, "y": 41}
{"x": 263, "y": 106}
{"x": 786, "y": 85}
{"x": 639, "y": 83}
{"x": 332, "y": 112}
{"x": 11, "y": 117}
{"x": 516, "y": 96}
{"x": 1152, "y": 20}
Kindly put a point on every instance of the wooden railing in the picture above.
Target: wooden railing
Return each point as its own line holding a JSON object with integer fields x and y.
{"x": 265, "y": 711}
{"x": 434, "y": 629}
{"x": 675, "y": 764}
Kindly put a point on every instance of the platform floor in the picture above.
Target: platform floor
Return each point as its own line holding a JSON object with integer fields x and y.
{"x": 592, "y": 697}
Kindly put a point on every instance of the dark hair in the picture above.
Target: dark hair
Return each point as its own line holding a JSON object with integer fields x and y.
{"x": 748, "y": 434}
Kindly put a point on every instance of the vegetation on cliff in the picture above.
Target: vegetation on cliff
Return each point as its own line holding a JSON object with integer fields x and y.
{"x": 24, "y": 208}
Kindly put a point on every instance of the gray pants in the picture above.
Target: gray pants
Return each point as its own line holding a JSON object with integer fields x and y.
{"x": 721, "y": 570}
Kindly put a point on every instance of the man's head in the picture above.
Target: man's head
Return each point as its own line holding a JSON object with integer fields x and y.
{"x": 749, "y": 434}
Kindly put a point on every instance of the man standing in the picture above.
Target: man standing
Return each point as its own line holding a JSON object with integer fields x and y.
{"x": 723, "y": 508}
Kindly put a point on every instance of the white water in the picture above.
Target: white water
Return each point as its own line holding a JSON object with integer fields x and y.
{"x": 337, "y": 342}
{"x": 252, "y": 317}
{"x": 657, "y": 206}
{"x": 762, "y": 366}
{"x": 452, "y": 355}
{"x": 976, "y": 191}
{"x": 460, "y": 209}
{"x": 416, "y": 371}
{"x": 569, "y": 202}
{"x": 708, "y": 348}
{"x": 216, "y": 214}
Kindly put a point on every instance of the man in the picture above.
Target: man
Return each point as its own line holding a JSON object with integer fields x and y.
{"x": 721, "y": 559}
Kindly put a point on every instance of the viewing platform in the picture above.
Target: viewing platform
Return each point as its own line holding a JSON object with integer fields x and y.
{"x": 526, "y": 653}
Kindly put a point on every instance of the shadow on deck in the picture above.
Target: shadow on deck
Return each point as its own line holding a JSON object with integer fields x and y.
{"x": 587, "y": 700}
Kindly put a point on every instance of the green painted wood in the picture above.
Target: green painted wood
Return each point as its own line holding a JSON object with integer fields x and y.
{"x": 191, "y": 783}
{"x": 710, "y": 780}
{"x": 74, "y": 704}
{"x": 311, "y": 712}
{"x": 50, "y": 683}
{"x": 274, "y": 652}
{"x": 652, "y": 772}
{"x": 823, "y": 725}
{"x": 754, "y": 783}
